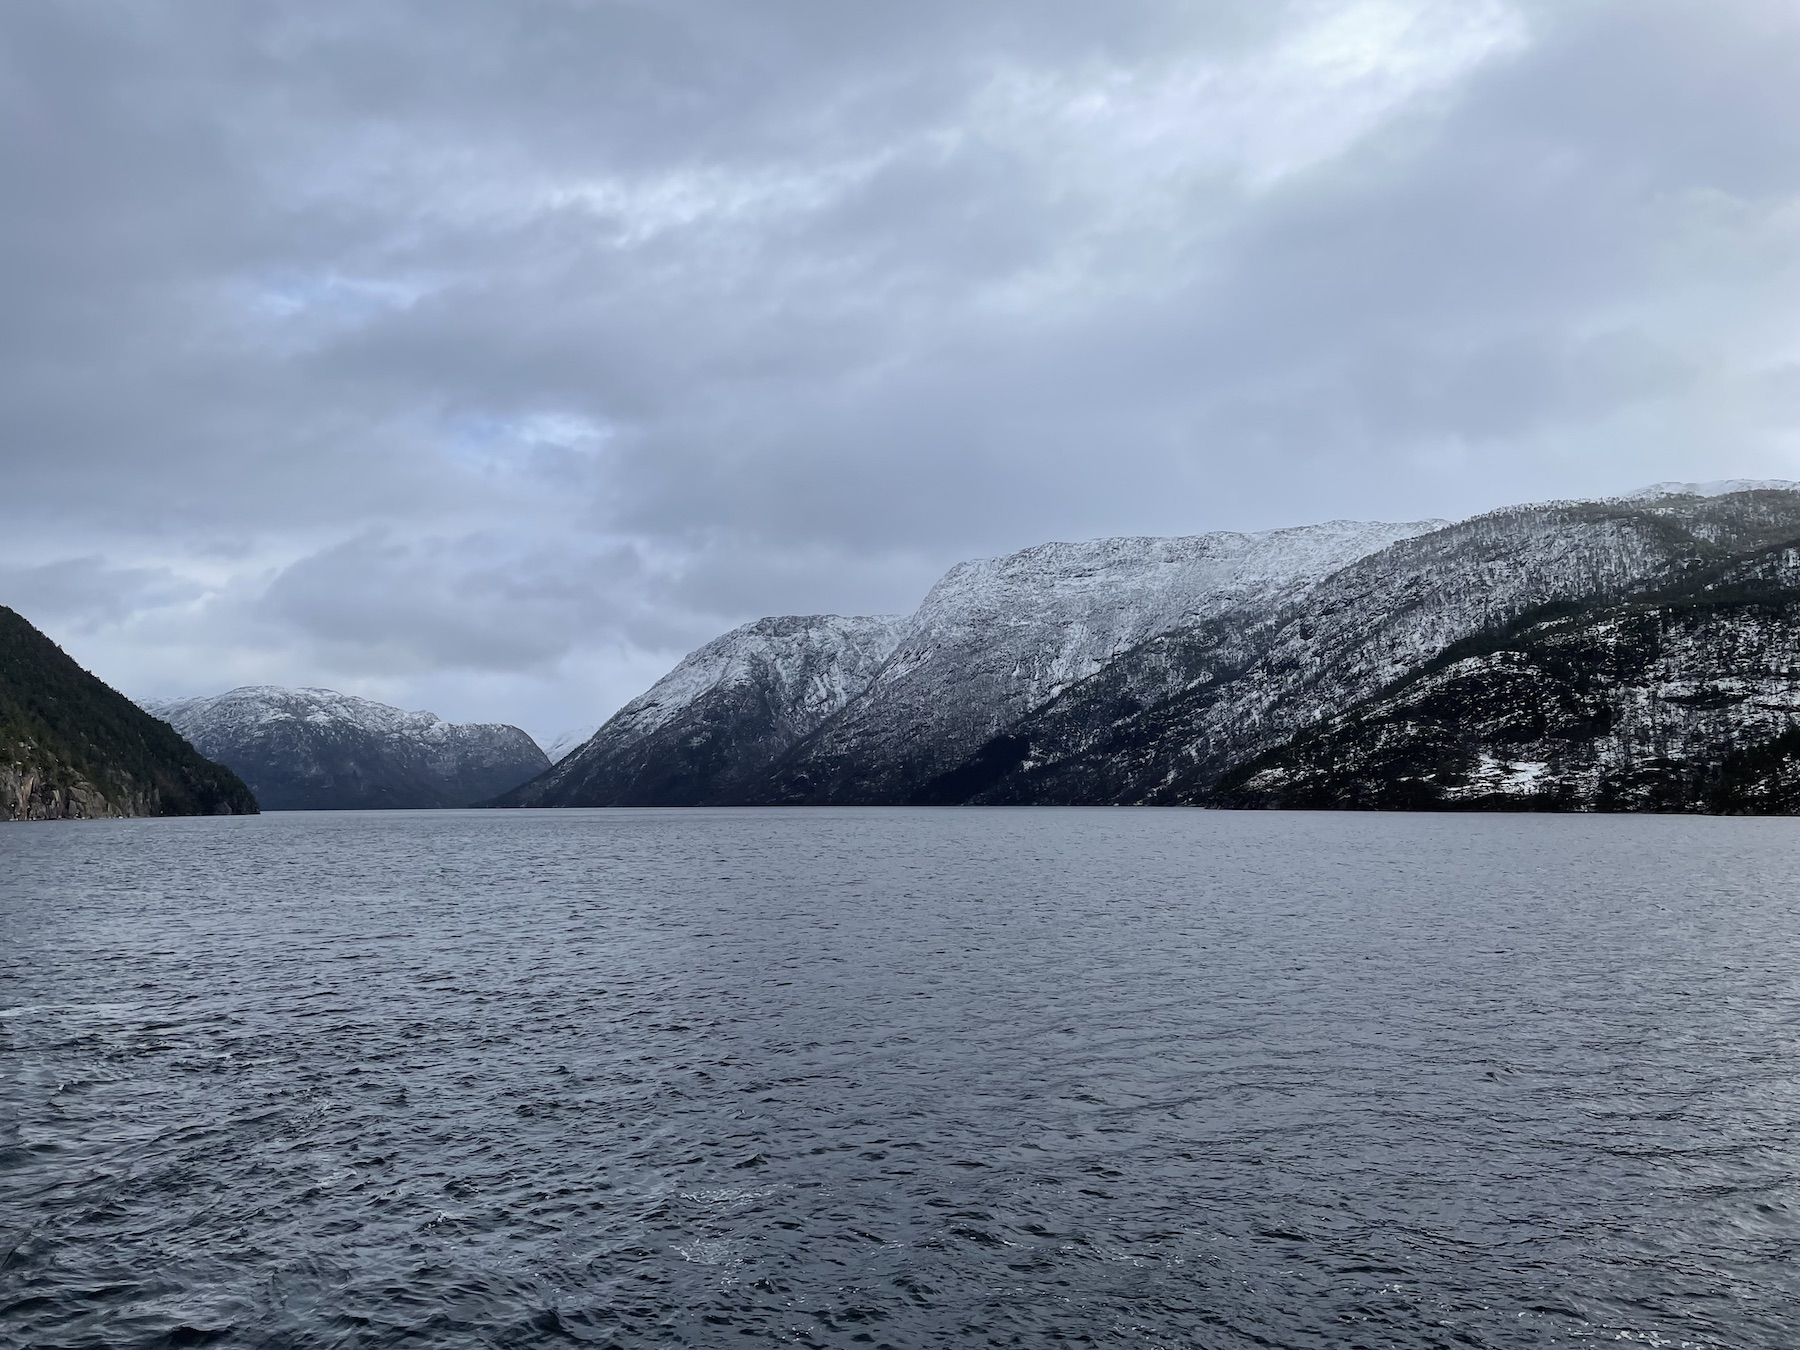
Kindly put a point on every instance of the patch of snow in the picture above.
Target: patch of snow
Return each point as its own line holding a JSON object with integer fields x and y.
{"x": 1492, "y": 774}
{"x": 568, "y": 742}
{"x": 1717, "y": 488}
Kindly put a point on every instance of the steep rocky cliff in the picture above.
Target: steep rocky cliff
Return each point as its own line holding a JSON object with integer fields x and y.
{"x": 73, "y": 748}
{"x": 316, "y": 749}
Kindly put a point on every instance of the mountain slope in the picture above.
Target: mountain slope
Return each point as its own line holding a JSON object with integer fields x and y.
{"x": 709, "y": 727}
{"x": 316, "y": 749}
{"x": 1163, "y": 723}
{"x": 997, "y": 639}
{"x": 1152, "y": 671}
{"x": 1688, "y": 700}
{"x": 71, "y": 747}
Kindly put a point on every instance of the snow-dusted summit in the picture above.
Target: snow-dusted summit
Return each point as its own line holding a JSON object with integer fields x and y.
{"x": 998, "y": 638}
{"x": 720, "y": 718}
{"x": 317, "y": 749}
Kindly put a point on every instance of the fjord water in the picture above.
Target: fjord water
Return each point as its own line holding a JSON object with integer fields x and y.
{"x": 896, "y": 1077}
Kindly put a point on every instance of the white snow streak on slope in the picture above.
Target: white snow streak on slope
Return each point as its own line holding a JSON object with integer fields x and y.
{"x": 568, "y": 742}
{"x": 1493, "y": 775}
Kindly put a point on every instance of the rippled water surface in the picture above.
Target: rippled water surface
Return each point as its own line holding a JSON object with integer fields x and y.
{"x": 910, "y": 1078}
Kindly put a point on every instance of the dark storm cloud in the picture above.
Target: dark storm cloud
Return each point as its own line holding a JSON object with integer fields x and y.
{"x": 371, "y": 344}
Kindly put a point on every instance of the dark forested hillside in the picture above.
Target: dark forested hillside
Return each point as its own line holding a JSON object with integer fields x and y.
{"x": 70, "y": 746}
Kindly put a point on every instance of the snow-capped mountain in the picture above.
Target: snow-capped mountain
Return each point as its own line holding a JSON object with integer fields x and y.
{"x": 997, "y": 639}
{"x": 1719, "y": 487}
{"x": 718, "y": 720}
{"x": 834, "y": 709}
{"x": 1167, "y": 722}
{"x": 317, "y": 749}
{"x": 1152, "y": 670}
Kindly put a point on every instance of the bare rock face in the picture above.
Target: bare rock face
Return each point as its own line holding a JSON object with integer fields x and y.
{"x": 708, "y": 730}
{"x": 316, "y": 749}
{"x": 33, "y": 793}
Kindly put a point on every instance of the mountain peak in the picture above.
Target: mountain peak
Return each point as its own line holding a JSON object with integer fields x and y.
{"x": 310, "y": 748}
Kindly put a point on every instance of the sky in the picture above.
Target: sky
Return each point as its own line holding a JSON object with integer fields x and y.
{"x": 486, "y": 358}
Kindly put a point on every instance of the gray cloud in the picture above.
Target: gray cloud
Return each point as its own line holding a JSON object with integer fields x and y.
{"x": 496, "y": 354}
{"x": 86, "y": 593}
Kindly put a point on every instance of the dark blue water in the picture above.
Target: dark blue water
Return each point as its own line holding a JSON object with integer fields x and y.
{"x": 905, "y": 1078}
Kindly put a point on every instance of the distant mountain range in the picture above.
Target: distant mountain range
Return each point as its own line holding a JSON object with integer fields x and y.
{"x": 315, "y": 749}
{"x": 73, "y": 748}
{"x": 1637, "y": 653}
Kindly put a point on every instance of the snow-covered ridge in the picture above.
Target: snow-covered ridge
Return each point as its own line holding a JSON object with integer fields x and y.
{"x": 254, "y": 706}
{"x": 723, "y": 714}
{"x": 307, "y": 749}
{"x": 1721, "y": 487}
{"x": 992, "y": 639}
{"x": 820, "y": 659}
{"x": 566, "y": 743}
{"x": 1090, "y": 601}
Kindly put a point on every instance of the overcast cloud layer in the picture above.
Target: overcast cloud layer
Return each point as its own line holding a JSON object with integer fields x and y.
{"x": 487, "y": 357}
